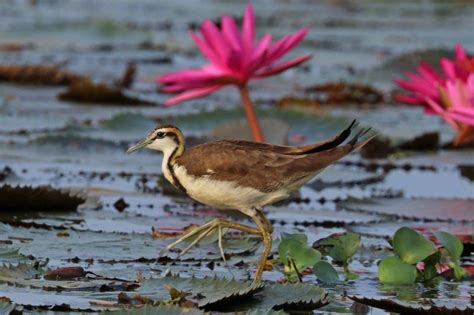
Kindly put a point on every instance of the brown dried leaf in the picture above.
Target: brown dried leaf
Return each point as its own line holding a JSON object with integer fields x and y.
{"x": 392, "y": 305}
{"x": 85, "y": 91}
{"x": 37, "y": 74}
{"x": 42, "y": 198}
{"x": 65, "y": 273}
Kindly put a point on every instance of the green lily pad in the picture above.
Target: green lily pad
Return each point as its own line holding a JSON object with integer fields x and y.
{"x": 291, "y": 297}
{"x": 392, "y": 270}
{"x": 160, "y": 309}
{"x": 204, "y": 292}
{"x": 405, "y": 307}
{"x": 419, "y": 208}
{"x": 411, "y": 246}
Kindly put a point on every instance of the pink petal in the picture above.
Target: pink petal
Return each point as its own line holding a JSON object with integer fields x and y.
{"x": 448, "y": 68}
{"x": 248, "y": 28}
{"x": 215, "y": 42}
{"x": 409, "y": 99}
{"x": 186, "y": 75}
{"x": 195, "y": 93}
{"x": 468, "y": 120}
{"x": 284, "y": 45}
{"x": 231, "y": 32}
{"x": 418, "y": 86}
{"x": 283, "y": 66}
{"x": 440, "y": 110}
{"x": 429, "y": 73}
{"x": 262, "y": 46}
{"x": 459, "y": 52}
{"x": 207, "y": 51}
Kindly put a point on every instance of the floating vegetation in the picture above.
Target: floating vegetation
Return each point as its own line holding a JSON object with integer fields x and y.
{"x": 87, "y": 92}
{"x": 37, "y": 75}
{"x": 31, "y": 199}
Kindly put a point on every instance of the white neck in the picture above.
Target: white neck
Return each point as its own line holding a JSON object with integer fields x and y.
{"x": 164, "y": 165}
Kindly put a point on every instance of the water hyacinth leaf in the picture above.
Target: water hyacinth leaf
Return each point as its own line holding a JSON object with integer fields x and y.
{"x": 411, "y": 246}
{"x": 430, "y": 271}
{"x": 340, "y": 247}
{"x": 452, "y": 244}
{"x": 392, "y": 270}
{"x": 295, "y": 247}
{"x": 326, "y": 272}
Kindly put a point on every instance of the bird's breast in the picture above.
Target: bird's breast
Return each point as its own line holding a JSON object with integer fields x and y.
{"x": 220, "y": 194}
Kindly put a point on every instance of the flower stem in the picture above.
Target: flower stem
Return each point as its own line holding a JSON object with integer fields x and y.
{"x": 250, "y": 114}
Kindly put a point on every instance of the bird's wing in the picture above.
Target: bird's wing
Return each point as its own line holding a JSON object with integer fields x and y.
{"x": 262, "y": 169}
{"x": 305, "y": 149}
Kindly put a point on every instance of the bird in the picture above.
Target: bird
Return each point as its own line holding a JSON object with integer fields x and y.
{"x": 243, "y": 175}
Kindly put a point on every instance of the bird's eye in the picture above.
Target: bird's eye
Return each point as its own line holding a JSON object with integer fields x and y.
{"x": 160, "y": 134}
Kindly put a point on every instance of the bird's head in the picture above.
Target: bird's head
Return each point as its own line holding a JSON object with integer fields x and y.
{"x": 167, "y": 139}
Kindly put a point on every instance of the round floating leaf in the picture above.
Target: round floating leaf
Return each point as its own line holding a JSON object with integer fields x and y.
{"x": 341, "y": 246}
{"x": 392, "y": 270}
{"x": 411, "y": 246}
{"x": 452, "y": 244}
{"x": 303, "y": 255}
{"x": 326, "y": 272}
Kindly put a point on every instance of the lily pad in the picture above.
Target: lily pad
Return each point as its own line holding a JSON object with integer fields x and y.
{"x": 205, "y": 292}
{"x": 160, "y": 309}
{"x": 420, "y": 208}
{"x": 402, "y": 307}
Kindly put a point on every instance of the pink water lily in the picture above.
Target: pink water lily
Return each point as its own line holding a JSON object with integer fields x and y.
{"x": 235, "y": 57}
{"x": 450, "y": 94}
{"x": 456, "y": 106}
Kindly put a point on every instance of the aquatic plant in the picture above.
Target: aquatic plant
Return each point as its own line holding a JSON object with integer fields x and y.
{"x": 411, "y": 249}
{"x": 450, "y": 94}
{"x": 235, "y": 58}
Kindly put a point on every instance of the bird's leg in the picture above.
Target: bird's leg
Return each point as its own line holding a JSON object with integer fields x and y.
{"x": 206, "y": 229}
{"x": 266, "y": 231}
{"x": 221, "y": 246}
{"x": 197, "y": 240}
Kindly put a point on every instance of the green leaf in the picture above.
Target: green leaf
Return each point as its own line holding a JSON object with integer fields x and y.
{"x": 452, "y": 244}
{"x": 326, "y": 272}
{"x": 291, "y": 297}
{"x": 160, "y": 309}
{"x": 392, "y": 270}
{"x": 295, "y": 246}
{"x": 204, "y": 292}
{"x": 341, "y": 246}
{"x": 264, "y": 312}
{"x": 459, "y": 272}
{"x": 411, "y": 246}
{"x": 430, "y": 265}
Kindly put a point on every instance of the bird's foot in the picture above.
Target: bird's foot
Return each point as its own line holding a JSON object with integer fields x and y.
{"x": 207, "y": 229}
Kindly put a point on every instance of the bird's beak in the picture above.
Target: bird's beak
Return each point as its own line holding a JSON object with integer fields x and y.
{"x": 141, "y": 144}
